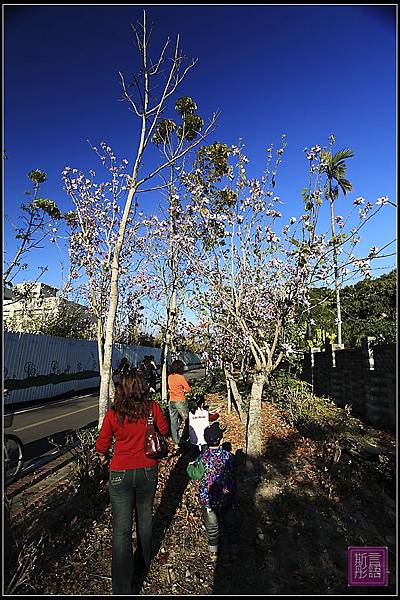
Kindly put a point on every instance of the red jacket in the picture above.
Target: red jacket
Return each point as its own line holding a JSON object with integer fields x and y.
{"x": 129, "y": 440}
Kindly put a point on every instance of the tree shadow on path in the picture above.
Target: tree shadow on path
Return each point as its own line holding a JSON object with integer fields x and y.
{"x": 171, "y": 499}
{"x": 242, "y": 576}
{"x": 293, "y": 537}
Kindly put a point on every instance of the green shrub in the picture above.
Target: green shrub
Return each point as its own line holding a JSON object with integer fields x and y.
{"x": 199, "y": 387}
{"x": 217, "y": 381}
{"x": 89, "y": 474}
{"x": 382, "y": 471}
{"x": 309, "y": 413}
{"x": 163, "y": 403}
{"x": 344, "y": 440}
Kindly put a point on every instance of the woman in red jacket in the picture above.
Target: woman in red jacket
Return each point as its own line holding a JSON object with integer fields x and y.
{"x": 133, "y": 476}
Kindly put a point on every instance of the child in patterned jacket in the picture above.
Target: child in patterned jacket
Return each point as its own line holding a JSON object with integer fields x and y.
{"x": 217, "y": 490}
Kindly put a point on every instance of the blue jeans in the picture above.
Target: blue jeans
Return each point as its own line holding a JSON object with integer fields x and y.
{"x": 130, "y": 490}
{"x": 176, "y": 409}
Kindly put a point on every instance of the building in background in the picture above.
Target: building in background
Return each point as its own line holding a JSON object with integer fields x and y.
{"x": 33, "y": 307}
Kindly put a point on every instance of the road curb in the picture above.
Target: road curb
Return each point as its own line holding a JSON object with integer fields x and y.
{"x": 24, "y": 482}
{"x": 45, "y": 471}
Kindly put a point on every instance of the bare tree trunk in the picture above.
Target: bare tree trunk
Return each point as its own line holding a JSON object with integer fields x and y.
{"x": 173, "y": 318}
{"x": 108, "y": 343}
{"x": 254, "y": 426}
{"x": 111, "y": 386}
{"x": 164, "y": 373}
{"x": 228, "y": 387}
{"x": 105, "y": 386}
{"x": 111, "y": 389}
{"x": 238, "y": 401}
{"x": 243, "y": 365}
{"x": 169, "y": 344}
{"x": 171, "y": 302}
{"x": 100, "y": 346}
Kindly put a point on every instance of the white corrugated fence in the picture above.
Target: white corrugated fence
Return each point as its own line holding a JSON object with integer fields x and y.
{"x": 30, "y": 355}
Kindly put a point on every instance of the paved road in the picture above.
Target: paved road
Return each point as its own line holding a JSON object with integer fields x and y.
{"x": 55, "y": 419}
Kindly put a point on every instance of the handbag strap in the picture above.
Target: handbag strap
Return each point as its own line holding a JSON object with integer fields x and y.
{"x": 150, "y": 418}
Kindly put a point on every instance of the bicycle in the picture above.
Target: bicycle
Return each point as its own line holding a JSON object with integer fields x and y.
{"x": 13, "y": 452}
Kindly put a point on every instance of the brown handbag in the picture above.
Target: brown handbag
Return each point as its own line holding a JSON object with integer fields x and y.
{"x": 155, "y": 444}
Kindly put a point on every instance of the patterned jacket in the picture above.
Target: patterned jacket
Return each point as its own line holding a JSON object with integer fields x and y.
{"x": 217, "y": 487}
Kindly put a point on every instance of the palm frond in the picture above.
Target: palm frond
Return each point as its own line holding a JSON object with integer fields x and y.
{"x": 324, "y": 155}
{"x": 342, "y": 155}
{"x": 339, "y": 171}
{"x": 335, "y": 168}
{"x": 345, "y": 185}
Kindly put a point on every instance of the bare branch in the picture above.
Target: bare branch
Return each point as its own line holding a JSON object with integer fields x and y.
{"x": 154, "y": 69}
{"x": 128, "y": 97}
{"x": 159, "y": 187}
{"x": 183, "y": 152}
{"x": 176, "y": 83}
{"x": 138, "y": 40}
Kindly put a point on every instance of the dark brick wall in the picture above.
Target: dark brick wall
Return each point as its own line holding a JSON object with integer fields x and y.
{"x": 363, "y": 377}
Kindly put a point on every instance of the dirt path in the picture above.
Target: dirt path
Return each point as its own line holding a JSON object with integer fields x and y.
{"x": 294, "y": 527}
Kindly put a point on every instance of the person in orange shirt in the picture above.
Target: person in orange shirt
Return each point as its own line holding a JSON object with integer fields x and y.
{"x": 178, "y": 405}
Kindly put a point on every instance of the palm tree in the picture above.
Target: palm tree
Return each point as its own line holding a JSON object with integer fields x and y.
{"x": 334, "y": 166}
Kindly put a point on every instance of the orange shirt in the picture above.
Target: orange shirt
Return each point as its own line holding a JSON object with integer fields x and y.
{"x": 177, "y": 387}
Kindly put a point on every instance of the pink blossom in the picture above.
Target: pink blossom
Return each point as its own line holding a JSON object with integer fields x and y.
{"x": 382, "y": 200}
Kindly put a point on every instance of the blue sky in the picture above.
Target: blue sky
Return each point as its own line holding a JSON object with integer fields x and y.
{"x": 306, "y": 71}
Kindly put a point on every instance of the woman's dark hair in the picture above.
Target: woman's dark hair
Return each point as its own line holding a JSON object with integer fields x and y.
{"x": 177, "y": 367}
{"x": 192, "y": 405}
{"x": 131, "y": 398}
{"x": 196, "y": 402}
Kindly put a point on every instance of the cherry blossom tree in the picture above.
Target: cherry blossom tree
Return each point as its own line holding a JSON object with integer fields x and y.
{"x": 254, "y": 277}
{"x": 149, "y": 108}
{"x": 94, "y": 224}
{"x": 165, "y": 259}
